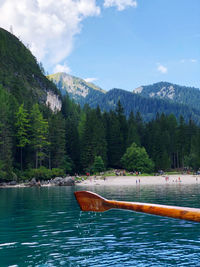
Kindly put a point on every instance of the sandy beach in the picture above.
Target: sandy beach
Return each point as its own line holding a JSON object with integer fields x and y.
{"x": 141, "y": 180}
{"x": 128, "y": 180}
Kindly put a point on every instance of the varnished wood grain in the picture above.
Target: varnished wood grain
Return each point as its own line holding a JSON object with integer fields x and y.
{"x": 89, "y": 201}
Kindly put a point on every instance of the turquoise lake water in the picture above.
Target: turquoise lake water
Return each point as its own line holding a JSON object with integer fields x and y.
{"x": 45, "y": 227}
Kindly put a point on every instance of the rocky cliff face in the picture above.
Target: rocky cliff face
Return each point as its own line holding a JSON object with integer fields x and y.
{"x": 53, "y": 101}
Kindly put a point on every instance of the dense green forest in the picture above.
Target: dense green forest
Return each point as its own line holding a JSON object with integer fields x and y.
{"x": 37, "y": 142}
{"x": 148, "y": 107}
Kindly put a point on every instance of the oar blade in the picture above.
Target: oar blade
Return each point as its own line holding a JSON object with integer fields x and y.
{"x": 89, "y": 201}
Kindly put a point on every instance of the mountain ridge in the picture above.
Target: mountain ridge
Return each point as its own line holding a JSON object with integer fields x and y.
{"x": 146, "y": 102}
{"x": 189, "y": 96}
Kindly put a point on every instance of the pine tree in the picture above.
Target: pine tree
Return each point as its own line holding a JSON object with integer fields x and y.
{"x": 6, "y": 140}
{"x": 181, "y": 142}
{"x": 22, "y": 127}
{"x": 98, "y": 165}
{"x": 122, "y": 141}
{"x": 114, "y": 140}
{"x": 93, "y": 138}
{"x": 87, "y": 155}
{"x": 39, "y": 138}
{"x": 57, "y": 148}
{"x": 133, "y": 136}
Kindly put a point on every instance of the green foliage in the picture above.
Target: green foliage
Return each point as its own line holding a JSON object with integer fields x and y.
{"x": 93, "y": 141}
{"x": 22, "y": 126}
{"x": 136, "y": 159}
{"x": 43, "y": 173}
{"x": 192, "y": 161}
{"x": 6, "y": 140}
{"x": 39, "y": 134}
{"x": 98, "y": 165}
{"x": 56, "y": 172}
{"x": 2, "y": 173}
{"x": 57, "y": 140}
{"x": 68, "y": 165}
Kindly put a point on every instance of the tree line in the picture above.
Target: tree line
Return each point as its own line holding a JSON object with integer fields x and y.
{"x": 35, "y": 142}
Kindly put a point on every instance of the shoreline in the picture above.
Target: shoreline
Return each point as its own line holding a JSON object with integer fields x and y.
{"x": 141, "y": 180}
{"x": 186, "y": 179}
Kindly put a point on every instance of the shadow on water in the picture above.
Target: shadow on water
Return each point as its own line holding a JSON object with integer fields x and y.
{"x": 45, "y": 227}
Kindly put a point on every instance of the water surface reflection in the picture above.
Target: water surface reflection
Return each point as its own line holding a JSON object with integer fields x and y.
{"x": 44, "y": 227}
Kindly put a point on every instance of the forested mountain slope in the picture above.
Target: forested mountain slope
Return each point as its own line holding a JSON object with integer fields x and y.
{"x": 175, "y": 93}
{"x": 148, "y": 100}
{"x": 148, "y": 107}
{"x": 20, "y": 74}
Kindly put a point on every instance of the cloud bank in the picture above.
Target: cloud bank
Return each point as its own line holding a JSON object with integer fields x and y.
{"x": 49, "y": 26}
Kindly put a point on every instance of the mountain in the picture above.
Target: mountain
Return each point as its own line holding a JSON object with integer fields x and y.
{"x": 22, "y": 76}
{"x": 78, "y": 89}
{"x": 189, "y": 96}
{"x": 148, "y": 107}
{"x": 148, "y": 100}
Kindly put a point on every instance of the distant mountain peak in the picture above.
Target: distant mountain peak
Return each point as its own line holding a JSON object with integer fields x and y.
{"x": 73, "y": 85}
{"x": 168, "y": 91}
{"x": 161, "y": 90}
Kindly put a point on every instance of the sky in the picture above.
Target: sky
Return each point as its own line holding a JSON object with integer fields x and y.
{"x": 113, "y": 43}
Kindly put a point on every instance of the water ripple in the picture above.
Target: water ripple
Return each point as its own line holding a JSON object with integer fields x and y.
{"x": 45, "y": 228}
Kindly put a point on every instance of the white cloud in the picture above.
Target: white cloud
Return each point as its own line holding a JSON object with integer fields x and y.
{"x": 90, "y": 80}
{"x": 62, "y": 68}
{"x": 120, "y": 4}
{"x": 47, "y": 26}
{"x": 162, "y": 69}
{"x": 193, "y": 60}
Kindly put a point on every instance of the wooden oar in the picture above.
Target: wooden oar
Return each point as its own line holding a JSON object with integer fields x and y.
{"x": 89, "y": 201}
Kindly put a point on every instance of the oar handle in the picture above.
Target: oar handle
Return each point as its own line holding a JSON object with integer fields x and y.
{"x": 183, "y": 213}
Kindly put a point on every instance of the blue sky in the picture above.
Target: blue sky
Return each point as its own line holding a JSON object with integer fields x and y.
{"x": 157, "y": 41}
{"x": 114, "y": 43}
